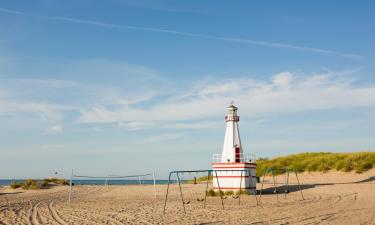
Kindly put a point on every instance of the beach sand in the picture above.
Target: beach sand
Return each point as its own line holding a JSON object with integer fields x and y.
{"x": 330, "y": 198}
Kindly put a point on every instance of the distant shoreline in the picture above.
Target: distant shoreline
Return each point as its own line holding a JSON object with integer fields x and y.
{"x": 7, "y": 182}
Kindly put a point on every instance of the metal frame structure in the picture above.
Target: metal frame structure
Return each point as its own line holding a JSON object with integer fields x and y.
{"x": 287, "y": 171}
{"x": 72, "y": 176}
{"x": 209, "y": 172}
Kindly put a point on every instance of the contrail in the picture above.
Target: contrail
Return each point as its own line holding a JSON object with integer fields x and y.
{"x": 188, "y": 34}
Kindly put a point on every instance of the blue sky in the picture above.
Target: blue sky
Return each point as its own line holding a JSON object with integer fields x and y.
{"x": 122, "y": 86}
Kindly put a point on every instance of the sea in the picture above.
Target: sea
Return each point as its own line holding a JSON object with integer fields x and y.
{"x": 6, "y": 182}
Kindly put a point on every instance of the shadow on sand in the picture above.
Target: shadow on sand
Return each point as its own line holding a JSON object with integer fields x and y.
{"x": 294, "y": 187}
{"x": 11, "y": 193}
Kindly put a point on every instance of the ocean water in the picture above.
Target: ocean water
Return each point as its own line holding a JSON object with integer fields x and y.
{"x": 5, "y": 182}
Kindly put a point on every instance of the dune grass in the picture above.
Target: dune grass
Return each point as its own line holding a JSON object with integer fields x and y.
{"x": 56, "y": 181}
{"x": 320, "y": 162}
{"x": 200, "y": 179}
{"x": 31, "y": 184}
{"x": 316, "y": 162}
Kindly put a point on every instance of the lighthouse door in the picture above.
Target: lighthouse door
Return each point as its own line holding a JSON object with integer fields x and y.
{"x": 237, "y": 154}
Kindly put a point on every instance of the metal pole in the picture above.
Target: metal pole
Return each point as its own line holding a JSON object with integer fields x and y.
{"x": 166, "y": 195}
{"x": 218, "y": 185}
{"x": 299, "y": 185}
{"x": 239, "y": 196}
{"x": 205, "y": 196}
{"x": 153, "y": 177}
{"x": 287, "y": 183}
{"x": 261, "y": 189}
{"x": 106, "y": 181}
{"x": 255, "y": 185}
{"x": 182, "y": 197}
{"x": 274, "y": 184}
{"x": 70, "y": 186}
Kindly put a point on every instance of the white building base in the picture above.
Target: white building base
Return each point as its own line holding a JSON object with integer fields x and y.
{"x": 227, "y": 176}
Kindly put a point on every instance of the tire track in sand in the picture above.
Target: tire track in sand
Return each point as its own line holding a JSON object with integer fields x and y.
{"x": 34, "y": 214}
{"x": 54, "y": 214}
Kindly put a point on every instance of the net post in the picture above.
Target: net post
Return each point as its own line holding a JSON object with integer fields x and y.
{"x": 70, "y": 186}
{"x": 153, "y": 177}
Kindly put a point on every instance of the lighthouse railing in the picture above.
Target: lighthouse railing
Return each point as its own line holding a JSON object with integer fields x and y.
{"x": 217, "y": 158}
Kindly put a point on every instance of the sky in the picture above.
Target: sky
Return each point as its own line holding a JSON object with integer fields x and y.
{"x": 127, "y": 87}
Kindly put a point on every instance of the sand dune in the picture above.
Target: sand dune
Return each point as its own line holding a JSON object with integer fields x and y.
{"x": 330, "y": 198}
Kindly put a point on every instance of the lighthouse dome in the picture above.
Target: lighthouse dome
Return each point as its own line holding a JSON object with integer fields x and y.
{"x": 232, "y": 110}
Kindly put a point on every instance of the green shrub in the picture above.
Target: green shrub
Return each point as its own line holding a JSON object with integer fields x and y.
{"x": 363, "y": 167}
{"x": 213, "y": 193}
{"x": 56, "y": 181}
{"x": 242, "y": 192}
{"x": 31, "y": 184}
{"x": 16, "y": 185}
{"x": 229, "y": 193}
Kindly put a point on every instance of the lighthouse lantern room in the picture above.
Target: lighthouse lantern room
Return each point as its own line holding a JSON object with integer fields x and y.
{"x": 233, "y": 170}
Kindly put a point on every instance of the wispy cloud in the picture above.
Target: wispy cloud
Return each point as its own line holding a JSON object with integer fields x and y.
{"x": 194, "y": 35}
{"x": 55, "y": 129}
{"x": 45, "y": 103}
{"x": 162, "y": 138}
{"x": 284, "y": 92}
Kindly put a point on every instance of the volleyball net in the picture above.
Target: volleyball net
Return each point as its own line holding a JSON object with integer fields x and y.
{"x": 136, "y": 179}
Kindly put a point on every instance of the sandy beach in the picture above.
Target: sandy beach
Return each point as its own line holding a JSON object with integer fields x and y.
{"x": 329, "y": 198}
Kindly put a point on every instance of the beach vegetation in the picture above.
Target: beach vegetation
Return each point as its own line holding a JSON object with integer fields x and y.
{"x": 56, "y": 181}
{"x": 200, "y": 179}
{"x": 242, "y": 192}
{"x": 320, "y": 162}
{"x": 15, "y": 185}
{"x": 214, "y": 193}
{"x": 229, "y": 192}
{"x": 31, "y": 184}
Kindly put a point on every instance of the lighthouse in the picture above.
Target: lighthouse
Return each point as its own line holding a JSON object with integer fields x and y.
{"x": 233, "y": 170}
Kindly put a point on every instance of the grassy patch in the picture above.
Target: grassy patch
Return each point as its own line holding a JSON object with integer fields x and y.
{"x": 56, "y": 181}
{"x": 320, "y": 161}
{"x": 201, "y": 179}
{"x": 16, "y": 185}
{"x": 242, "y": 192}
{"x": 31, "y": 184}
{"x": 229, "y": 193}
{"x": 213, "y": 193}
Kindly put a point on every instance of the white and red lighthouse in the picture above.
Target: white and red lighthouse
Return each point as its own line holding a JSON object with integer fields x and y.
{"x": 233, "y": 170}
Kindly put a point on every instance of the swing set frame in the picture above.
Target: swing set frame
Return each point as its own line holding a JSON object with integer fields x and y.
{"x": 287, "y": 172}
{"x": 209, "y": 173}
